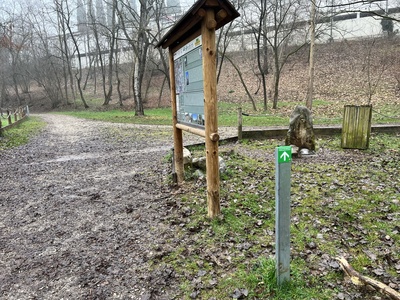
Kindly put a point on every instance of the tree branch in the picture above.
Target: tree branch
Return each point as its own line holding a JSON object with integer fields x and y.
{"x": 359, "y": 279}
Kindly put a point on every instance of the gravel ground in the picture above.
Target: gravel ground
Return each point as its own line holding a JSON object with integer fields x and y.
{"x": 83, "y": 207}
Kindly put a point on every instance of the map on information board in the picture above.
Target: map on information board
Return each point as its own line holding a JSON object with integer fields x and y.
{"x": 189, "y": 83}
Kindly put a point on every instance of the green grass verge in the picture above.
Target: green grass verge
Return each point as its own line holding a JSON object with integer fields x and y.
{"x": 323, "y": 114}
{"x": 157, "y": 116}
{"x": 21, "y": 133}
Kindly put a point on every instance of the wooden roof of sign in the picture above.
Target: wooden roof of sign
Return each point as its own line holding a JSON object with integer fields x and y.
{"x": 189, "y": 26}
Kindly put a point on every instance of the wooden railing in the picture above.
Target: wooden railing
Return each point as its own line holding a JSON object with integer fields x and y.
{"x": 11, "y": 117}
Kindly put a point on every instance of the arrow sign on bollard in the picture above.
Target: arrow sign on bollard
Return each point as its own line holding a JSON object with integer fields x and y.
{"x": 284, "y": 154}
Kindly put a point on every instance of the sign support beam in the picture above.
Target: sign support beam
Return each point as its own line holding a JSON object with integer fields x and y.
{"x": 178, "y": 136}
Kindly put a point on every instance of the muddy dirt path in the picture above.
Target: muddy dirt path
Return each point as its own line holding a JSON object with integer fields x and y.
{"x": 83, "y": 209}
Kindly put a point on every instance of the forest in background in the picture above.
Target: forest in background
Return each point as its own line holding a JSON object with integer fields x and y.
{"x": 347, "y": 72}
{"x": 118, "y": 63}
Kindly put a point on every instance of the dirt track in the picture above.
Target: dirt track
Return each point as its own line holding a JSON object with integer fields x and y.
{"x": 82, "y": 210}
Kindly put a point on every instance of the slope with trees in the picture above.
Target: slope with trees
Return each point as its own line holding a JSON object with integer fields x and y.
{"x": 68, "y": 48}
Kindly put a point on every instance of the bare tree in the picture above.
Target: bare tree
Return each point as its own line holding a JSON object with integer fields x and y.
{"x": 374, "y": 8}
{"x": 111, "y": 34}
{"x": 135, "y": 25}
{"x": 259, "y": 29}
{"x": 310, "y": 90}
{"x": 98, "y": 29}
{"x": 225, "y": 36}
{"x": 4, "y": 59}
{"x": 64, "y": 49}
{"x": 15, "y": 34}
{"x": 284, "y": 17}
{"x": 161, "y": 27}
{"x": 374, "y": 69}
{"x": 45, "y": 67}
{"x": 64, "y": 15}
{"x": 242, "y": 81}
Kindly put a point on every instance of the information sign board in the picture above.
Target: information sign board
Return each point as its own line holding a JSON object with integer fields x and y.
{"x": 189, "y": 83}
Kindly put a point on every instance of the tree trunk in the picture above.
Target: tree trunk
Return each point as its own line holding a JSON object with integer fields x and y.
{"x": 148, "y": 84}
{"x": 276, "y": 84}
{"x": 67, "y": 58}
{"x": 16, "y": 88}
{"x": 264, "y": 74}
{"x": 161, "y": 91}
{"x": 310, "y": 90}
{"x": 111, "y": 56}
{"x": 2, "y": 93}
{"x": 137, "y": 90}
{"x": 117, "y": 70}
{"x": 264, "y": 67}
{"x": 78, "y": 74}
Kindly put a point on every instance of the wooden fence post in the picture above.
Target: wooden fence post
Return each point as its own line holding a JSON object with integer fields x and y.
{"x": 240, "y": 124}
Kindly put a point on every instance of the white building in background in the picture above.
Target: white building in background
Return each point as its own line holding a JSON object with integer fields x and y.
{"x": 336, "y": 20}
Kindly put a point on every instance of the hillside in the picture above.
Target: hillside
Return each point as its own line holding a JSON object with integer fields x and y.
{"x": 341, "y": 74}
{"x": 345, "y": 73}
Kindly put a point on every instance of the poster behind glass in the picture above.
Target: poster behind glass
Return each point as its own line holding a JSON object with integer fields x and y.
{"x": 189, "y": 83}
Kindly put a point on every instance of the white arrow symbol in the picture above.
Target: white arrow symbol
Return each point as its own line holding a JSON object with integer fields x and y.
{"x": 284, "y": 156}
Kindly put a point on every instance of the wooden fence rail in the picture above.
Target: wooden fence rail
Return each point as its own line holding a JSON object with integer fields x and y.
{"x": 17, "y": 114}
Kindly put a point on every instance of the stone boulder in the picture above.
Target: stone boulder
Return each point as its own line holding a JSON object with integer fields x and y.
{"x": 200, "y": 163}
{"x": 301, "y": 131}
{"x": 187, "y": 156}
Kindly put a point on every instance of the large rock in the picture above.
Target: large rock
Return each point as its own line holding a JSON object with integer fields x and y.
{"x": 187, "y": 156}
{"x": 200, "y": 163}
{"x": 301, "y": 131}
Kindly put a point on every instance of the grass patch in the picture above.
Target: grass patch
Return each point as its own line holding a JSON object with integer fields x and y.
{"x": 335, "y": 211}
{"x": 21, "y": 133}
{"x": 159, "y": 116}
{"x": 324, "y": 113}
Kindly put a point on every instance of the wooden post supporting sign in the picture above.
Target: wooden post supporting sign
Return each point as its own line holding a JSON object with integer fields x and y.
{"x": 178, "y": 139}
{"x": 211, "y": 112}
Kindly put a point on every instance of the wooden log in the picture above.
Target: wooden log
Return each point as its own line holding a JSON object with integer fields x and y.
{"x": 191, "y": 129}
{"x": 201, "y": 12}
{"x": 210, "y": 112}
{"x": 221, "y": 14}
{"x": 359, "y": 279}
{"x": 214, "y": 137}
